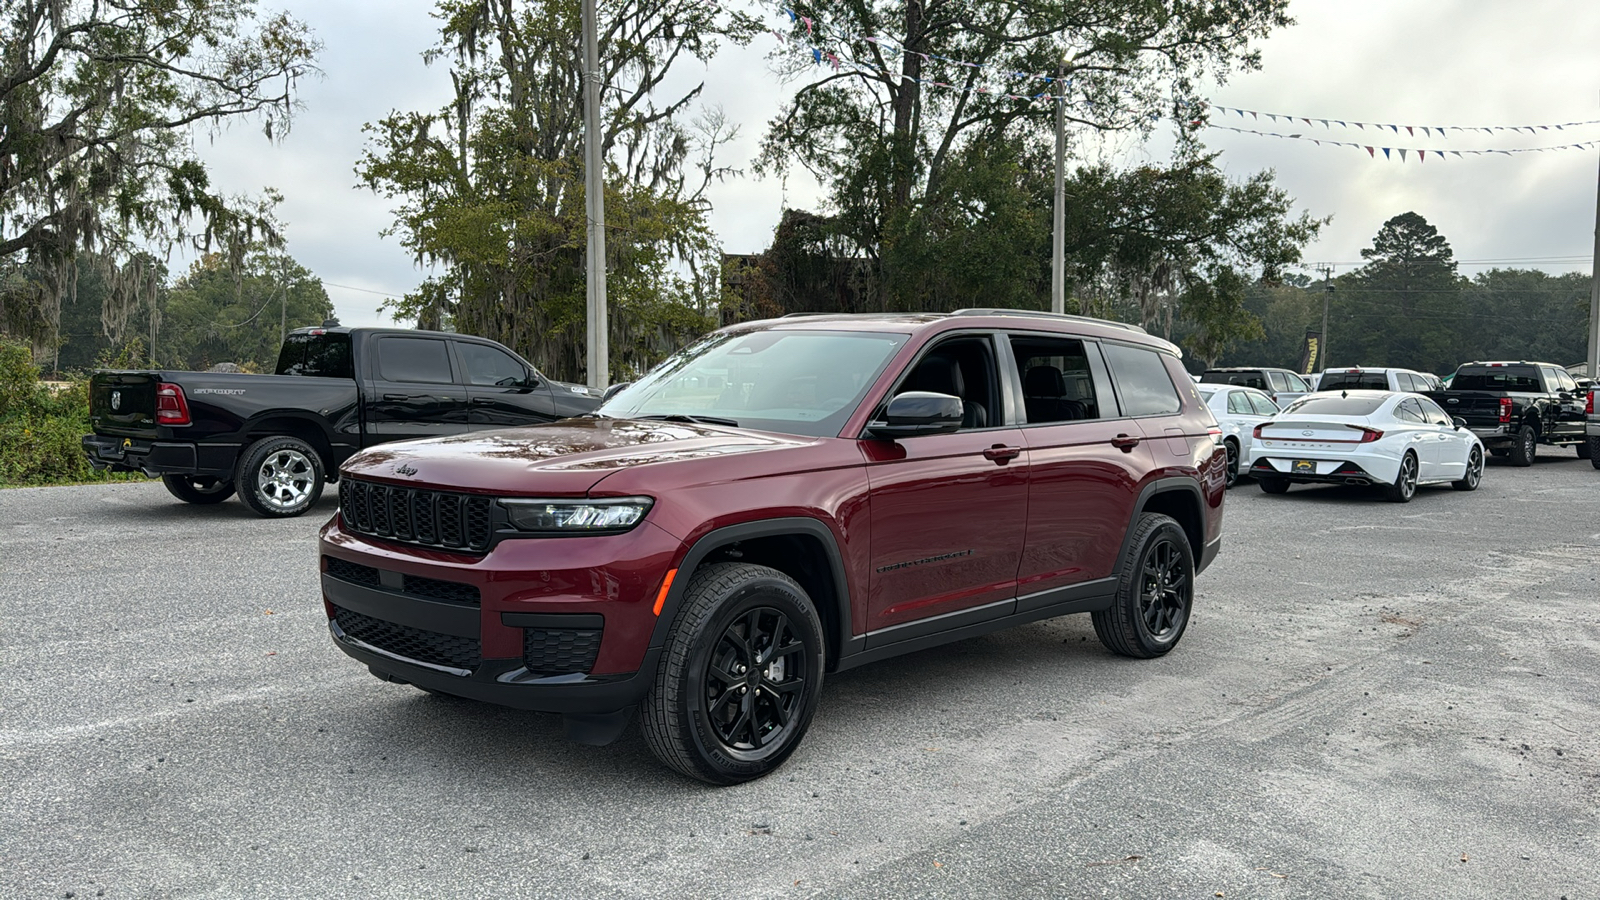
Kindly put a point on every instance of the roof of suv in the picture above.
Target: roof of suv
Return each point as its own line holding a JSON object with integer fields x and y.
{"x": 998, "y": 319}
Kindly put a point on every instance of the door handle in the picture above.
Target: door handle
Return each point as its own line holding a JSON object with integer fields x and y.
{"x": 397, "y": 396}
{"x": 482, "y": 401}
{"x": 1125, "y": 442}
{"x": 1002, "y": 454}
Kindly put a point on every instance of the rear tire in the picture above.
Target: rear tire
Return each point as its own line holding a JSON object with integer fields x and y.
{"x": 739, "y": 677}
{"x": 279, "y": 477}
{"x": 1594, "y": 451}
{"x": 1586, "y": 448}
{"x": 1273, "y": 485}
{"x": 1474, "y": 474}
{"x": 1526, "y": 447}
{"x": 1405, "y": 481}
{"x": 1232, "y": 448}
{"x": 198, "y": 489}
{"x": 1155, "y": 592}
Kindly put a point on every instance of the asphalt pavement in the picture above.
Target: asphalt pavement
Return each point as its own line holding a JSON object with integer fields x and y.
{"x": 1373, "y": 700}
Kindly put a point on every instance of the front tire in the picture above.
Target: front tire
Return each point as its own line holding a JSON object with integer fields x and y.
{"x": 1474, "y": 474}
{"x": 1155, "y": 591}
{"x": 1526, "y": 447}
{"x": 739, "y": 677}
{"x": 1405, "y": 482}
{"x": 198, "y": 489}
{"x": 279, "y": 477}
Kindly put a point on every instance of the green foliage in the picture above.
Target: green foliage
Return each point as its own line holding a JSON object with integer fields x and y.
{"x": 99, "y": 103}
{"x": 214, "y": 315}
{"x": 491, "y": 186}
{"x": 41, "y": 430}
{"x": 1409, "y": 308}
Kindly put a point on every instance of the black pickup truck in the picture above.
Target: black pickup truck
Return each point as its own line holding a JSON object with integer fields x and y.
{"x": 277, "y": 439}
{"x": 1513, "y": 407}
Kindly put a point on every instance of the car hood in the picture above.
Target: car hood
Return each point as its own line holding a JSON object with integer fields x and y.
{"x": 564, "y": 458}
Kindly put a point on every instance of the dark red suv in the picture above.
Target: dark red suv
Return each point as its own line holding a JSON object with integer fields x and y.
{"x": 781, "y": 500}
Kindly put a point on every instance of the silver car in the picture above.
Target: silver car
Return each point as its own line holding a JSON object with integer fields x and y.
{"x": 1238, "y": 411}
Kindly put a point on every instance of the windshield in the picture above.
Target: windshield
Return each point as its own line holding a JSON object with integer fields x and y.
{"x": 792, "y": 382}
{"x": 1335, "y": 405}
{"x": 1498, "y": 378}
{"x": 1334, "y": 381}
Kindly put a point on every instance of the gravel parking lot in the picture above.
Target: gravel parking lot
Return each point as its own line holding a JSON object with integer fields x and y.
{"x": 1374, "y": 700}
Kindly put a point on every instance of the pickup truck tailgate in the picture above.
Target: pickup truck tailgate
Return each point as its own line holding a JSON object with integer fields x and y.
{"x": 123, "y": 403}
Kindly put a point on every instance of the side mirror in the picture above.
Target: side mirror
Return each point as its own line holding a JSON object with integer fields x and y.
{"x": 915, "y": 413}
{"x": 1459, "y": 422}
{"x": 613, "y": 390}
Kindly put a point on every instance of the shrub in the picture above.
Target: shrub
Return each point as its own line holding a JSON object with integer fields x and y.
{"x": 41, "y": 431}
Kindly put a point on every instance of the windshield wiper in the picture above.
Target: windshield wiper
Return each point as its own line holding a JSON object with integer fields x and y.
{"x": 703, "y": 420}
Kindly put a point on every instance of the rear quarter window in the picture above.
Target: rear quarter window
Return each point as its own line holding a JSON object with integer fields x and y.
{"x": 1142, "y": 381}
{"x": 316, "y": 355}
{"x": 1498, "y": 378}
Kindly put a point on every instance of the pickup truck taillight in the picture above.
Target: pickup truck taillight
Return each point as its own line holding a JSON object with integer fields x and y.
{"x": 1588, "y": 405}
{"x": 171, "y": 406}
{"x": 1505, "y": 409}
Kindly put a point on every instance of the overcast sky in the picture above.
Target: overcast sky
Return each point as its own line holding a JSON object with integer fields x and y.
{"x": 1436, "y": 63}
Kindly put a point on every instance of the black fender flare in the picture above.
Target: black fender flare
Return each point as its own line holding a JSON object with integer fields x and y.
{"x": 1164, "y": 486}
{"x": 744, "y": 531}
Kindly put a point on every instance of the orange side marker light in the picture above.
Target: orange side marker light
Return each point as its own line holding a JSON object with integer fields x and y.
{"x": 666, "y": 585}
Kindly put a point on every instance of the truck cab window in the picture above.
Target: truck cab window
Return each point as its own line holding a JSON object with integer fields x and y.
{"x": 415, "y": 360}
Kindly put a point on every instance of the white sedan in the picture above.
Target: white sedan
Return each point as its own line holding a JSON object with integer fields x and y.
{"x": 1394, "y": 439}
{"x": 1238, "y": 411}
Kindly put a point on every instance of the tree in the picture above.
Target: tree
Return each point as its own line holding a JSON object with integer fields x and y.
{"x": 1403, "y": 307}
{"x": 491, "y": 187}
{"x": 219, "y": 313}
{"x": 912, "y": 85}
{"x": 98, "y": 103}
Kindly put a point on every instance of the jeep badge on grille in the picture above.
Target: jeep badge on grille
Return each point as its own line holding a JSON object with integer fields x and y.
{"x": 404, "y": 470}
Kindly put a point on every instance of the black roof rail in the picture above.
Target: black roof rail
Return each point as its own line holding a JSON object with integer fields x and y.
{"x": 1048, "y": 315}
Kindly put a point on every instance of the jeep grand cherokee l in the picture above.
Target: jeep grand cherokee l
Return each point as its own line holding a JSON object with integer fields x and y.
{"x": 781, "y": 500}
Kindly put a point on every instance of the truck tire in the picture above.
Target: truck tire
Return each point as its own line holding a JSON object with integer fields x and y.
{"x": 1526, "y": 447}
{"x": 1586, "y": 448}
{"x": 198, "y": 489}
{"x": 739, "y": 677}
{"x": 279, "y": 477}
{"x": 1594, "y": 451}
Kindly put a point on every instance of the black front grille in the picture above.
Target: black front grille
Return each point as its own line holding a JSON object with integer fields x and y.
{"x": 349, "y": 571}
{"x": 429, "y": 518}
{"x": 550, "y": 651}
{"x": 411, "y": 643}
{"x": 433, "y": 589}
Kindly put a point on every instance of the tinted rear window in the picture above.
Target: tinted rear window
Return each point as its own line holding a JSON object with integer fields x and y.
{"x": 1498, "y": 378}
{"x": 1351, "y": 381}
{"x": 316, "y": 355}
{"x": 1336, "y": 406}
{"x": 417, "y": 360}
{"x": 1244, "y": 379}
{"x": 1142, "y": 381}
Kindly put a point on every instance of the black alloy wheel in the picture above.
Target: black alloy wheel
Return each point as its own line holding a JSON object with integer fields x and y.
{"x": 753, "y": 681}
{"x": 739, "y": 677}
{"x": 1405, "y": 481}
{"x": 1474, "y": 474}
{"x": 1155, "y": 591}
{"x": 1233, "y": 462}
{"x": 1526, "y": 447}
{"x": 198, "y": 489}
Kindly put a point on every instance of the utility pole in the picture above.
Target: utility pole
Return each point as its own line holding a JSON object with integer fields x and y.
{"x": 1594, "y": 294}
{"x": 594, "y": 192}
{"x": 1327, "y": 294}
{"x": 1058, "y": 238}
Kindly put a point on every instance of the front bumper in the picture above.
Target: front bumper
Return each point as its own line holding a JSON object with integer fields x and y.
{"x": 123, "y": 454}
{"x": 562, "y": 625}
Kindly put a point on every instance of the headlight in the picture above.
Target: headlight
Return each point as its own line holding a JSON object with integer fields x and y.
{"x": 577, "y": 516}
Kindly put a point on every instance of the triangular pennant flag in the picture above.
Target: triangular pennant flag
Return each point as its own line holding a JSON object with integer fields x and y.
{"x": 816, "y": 56}
{"x": 1253, "y": 115}
{"x": 1456, "y": 152}
{"x": 1361, "y": 126}
{"x": 1426, "y": 132}
{"x": 1408, "y": 131}
{"x": 1324, "y": 122}
{"x": 1392, "y": 128}
{"x": 1422, "y": 156}
{"x": 1386, "y": 153}
{"x": 1402, "y": 155}
{"x": 792, "y": 14}
{"x": 807, "y": 20}
{"x": 1305, "y": 120}
{"x": 1374, "y": 155}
